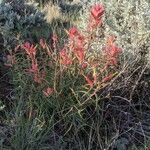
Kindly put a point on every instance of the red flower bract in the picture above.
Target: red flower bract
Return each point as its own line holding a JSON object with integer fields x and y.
{"x": 80, "y": 54}
{"x": 73, "y": 32}
{"x": 97, "y": 11}
{"x": 48, "y": 91}
{"x": 107, "y": 78}
{"x": 65, "y": 60}
{"x": 30, "y": 49}
{"x": 94, "y": 24}
{"x": 95, "y": 19}
{"x": 112, "y": 51}
{"x": 89, "y": 81}
{"x": 81, "y": 41}
{"x": 84, "y": 65}
{"x": 34, "y": 66}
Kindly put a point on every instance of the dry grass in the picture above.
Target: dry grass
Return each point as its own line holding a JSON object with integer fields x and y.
{"x": 52, "y": 12}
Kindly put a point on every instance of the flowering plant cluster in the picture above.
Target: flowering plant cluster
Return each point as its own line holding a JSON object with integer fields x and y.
{"x": 81, "y": 87}
{"x": 93, "y": 69}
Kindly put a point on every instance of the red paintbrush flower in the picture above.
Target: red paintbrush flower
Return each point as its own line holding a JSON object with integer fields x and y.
{"x": 80, "y": 41}
{"x": 89, "y": 81}
{"x": 80, "y": 54}
{"x": 34, "y": 66}
{"x": 97, "y": 11}
{"x": 84, "y": 65}
{"x": 94, "y": 23}
{"x": 95, "y": 18}
{"x": 112, "y": 51}
{"x": 34, "y": 70}
{"x": 108, "y": 78}
{"x": 65, "y": 60}
{"x": 73, "y": 32}
{"x": 30, "y": 49}
{"x": 48, "y": 91}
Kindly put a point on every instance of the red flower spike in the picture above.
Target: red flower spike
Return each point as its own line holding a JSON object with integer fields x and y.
{"x": 112, "y": 51}
{"x": 84, "y": 65}
{"x": 34, "y": 66}
{"x": 115, "y": 51}
{"x": 35, "y": 71}
{"x": 79, "y": 52}
{"x": 73, "y": 32}
{"x": 95, "y": 18}
{"x": 30, "y": 49}
{"x": 94, "y": 23}
{"x": 107, "y": 78}
{"x": 65, "y": 60}
{"x": 97, "y": 11}
{"x": 95, "y": 79}
{"x": 48, "y": 91}
{"x": 80, "y": 41}
{"x": 89, "y": 81}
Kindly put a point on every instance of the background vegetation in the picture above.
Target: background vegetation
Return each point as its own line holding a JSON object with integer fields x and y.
{"x": 50, "y": 101}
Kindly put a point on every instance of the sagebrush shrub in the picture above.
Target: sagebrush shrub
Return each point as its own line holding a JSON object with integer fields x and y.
{"x": 127, "y": 19}
{"x": 16, "y": 21}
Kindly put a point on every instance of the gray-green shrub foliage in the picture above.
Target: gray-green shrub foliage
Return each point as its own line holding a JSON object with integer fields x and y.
{"x": 129, "y": 20}
{"x": 16, "y": 19}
